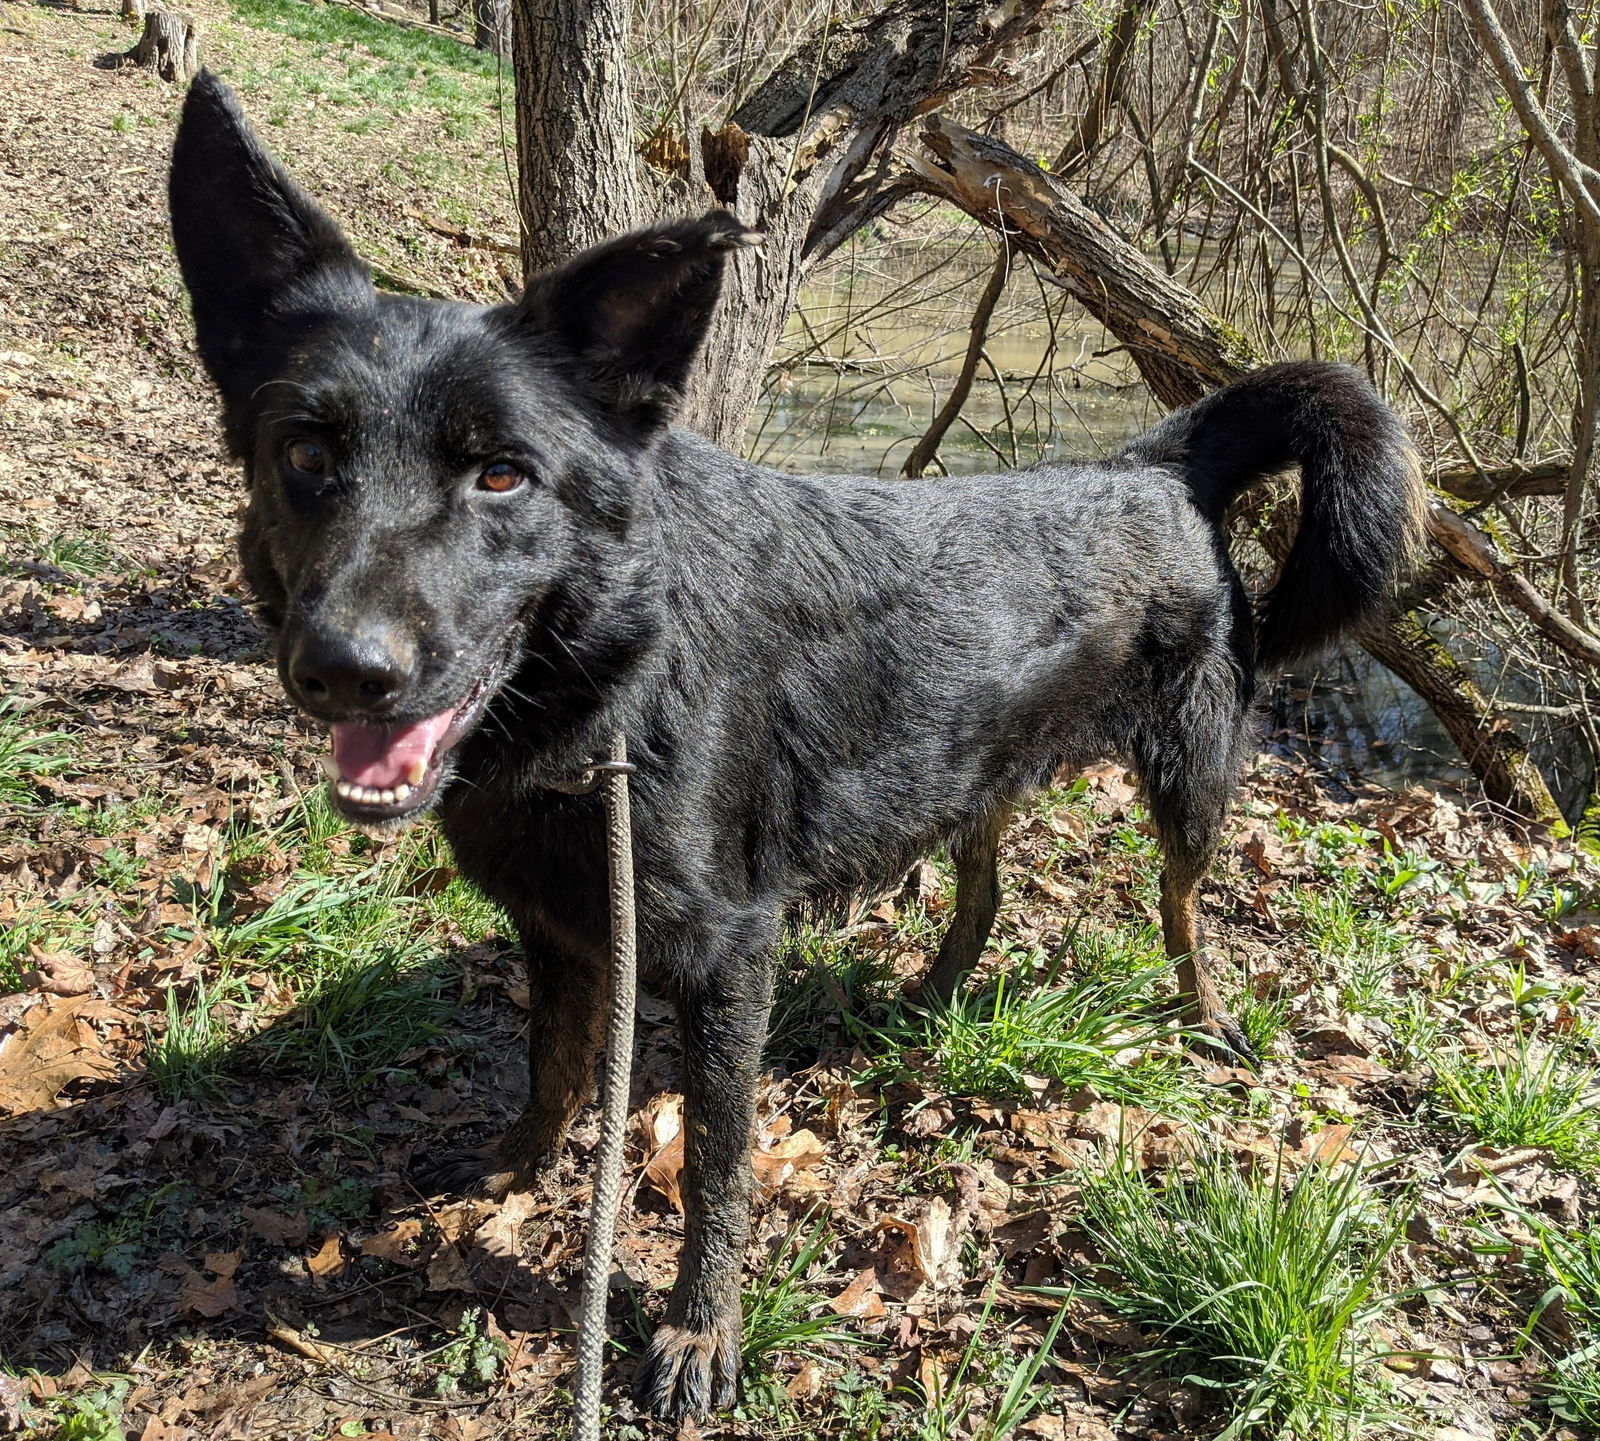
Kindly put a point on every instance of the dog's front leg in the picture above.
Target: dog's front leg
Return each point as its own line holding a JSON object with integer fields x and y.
{"x": 693, "y": 1362}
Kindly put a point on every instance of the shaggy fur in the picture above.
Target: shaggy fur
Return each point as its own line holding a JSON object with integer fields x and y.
{"x": 821, "y": 678}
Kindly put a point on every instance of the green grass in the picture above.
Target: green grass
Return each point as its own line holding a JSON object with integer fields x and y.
{"x": 1092, "y": 1030}
{"x": 1530, "y": 1094}
{"x": 1566, "y": 1262}
{"x": 189, "y": 1055}
{"x": 783, "y": 1316}
{"x": 355, "y": 947}
{"x": 1256, "y": 1284}
{"x": 1263, "y": 1015}
{"x": 371, "y": 68}
{"x": 947, "y": 1412}
{"x": 86, "y": 555}
{"x": 36, "y": 924}
{"x": 27, "y": 751}
{"x": 821, "y": 982}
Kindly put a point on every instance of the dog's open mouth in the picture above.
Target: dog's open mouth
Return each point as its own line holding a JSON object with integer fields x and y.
{"x": 387, "y": 772}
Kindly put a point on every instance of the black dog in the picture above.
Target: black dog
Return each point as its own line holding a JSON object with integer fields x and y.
{"x": 483, "y": 551}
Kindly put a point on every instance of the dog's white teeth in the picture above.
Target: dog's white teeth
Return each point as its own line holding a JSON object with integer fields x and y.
{"x": 416, "y": 773}
{"x": 330, "y": 767}
{"x": 401, "y": 792}
{"x": 387, "y": 797}
{"x": 345, "y": 789}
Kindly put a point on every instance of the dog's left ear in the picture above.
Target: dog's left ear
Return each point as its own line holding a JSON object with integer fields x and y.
{"x": 634, "y": 311}
{"x": 261, "y": 259}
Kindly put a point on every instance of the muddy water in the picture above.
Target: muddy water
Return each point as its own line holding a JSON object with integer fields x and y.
{"x": 869, "y": 358}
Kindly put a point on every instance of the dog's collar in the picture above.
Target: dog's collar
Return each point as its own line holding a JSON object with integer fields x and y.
{"x": 589, "y": 778}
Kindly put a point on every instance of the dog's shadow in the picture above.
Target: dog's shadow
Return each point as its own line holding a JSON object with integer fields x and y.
{"x": 269, "y": 1205}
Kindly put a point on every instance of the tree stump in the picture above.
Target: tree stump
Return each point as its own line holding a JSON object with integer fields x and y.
{"x": 170, "y": 46}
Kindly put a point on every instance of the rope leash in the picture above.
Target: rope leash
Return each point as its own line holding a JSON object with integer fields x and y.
{"x": 611, "y": 776}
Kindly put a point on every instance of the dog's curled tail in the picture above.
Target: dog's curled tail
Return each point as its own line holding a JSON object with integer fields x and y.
{"x": 1362, "y": 497}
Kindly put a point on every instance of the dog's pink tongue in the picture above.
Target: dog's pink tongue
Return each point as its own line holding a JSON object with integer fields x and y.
{"x": 384, "y": 757}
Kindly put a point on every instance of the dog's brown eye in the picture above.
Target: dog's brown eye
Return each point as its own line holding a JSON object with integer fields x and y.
{"x": 500, "y": 477}
{"x": 306, "y": 456}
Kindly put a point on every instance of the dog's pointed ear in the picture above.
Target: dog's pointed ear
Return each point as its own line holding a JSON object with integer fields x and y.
{"x": 633, "y": 312}
{"x": 260, "y": 258}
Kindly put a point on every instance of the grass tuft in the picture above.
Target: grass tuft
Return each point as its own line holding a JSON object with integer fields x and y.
{"x": 995, "y": 1042}
{"x": 26, "y": 752}
{"x": 1252, "y": 1282}
{"x": 1533, "y": 1094}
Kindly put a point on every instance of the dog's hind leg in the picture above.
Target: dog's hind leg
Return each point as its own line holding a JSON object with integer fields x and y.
{"x": 1188, "y": 764}
{"x": 693, "y": 1361}
{"x": 976, "y": 855}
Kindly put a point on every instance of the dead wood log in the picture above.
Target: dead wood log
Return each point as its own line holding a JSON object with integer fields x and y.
{"x": 1182, "y": 350}
{"x": 170, "y": 45}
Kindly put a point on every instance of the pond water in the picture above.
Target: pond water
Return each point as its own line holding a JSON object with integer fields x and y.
{"x": 870, "y": 356}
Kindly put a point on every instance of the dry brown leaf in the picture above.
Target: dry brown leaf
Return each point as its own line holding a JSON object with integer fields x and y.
{"x": 274, "y": 1227}
{"x": 860, "y": 1298}
{"x": 329, "y": 1260}
{"x": 60, "y": 974}
{"x": 447, "y": 1271}
{"x": 52, "y": 1047}
{"x": 790, "y": 1155}
{"x": 664, "y": 1171}
{"x": 223, "y": 1263}
{"x": 498, "y": 1233}
{"x": 209, "y": 1298}
{"x": 397, "y": 1244}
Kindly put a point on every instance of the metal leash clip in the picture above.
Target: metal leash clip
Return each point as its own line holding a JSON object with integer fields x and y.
{"x": 590, "y": 777}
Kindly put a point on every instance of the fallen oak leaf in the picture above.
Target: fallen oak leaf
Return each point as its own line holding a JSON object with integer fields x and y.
{"x": 195, "y": 1293}
{"x": 397, "y": 1245}
{"x": 51, "y": 1047}
{"x": 329, "y": 1260}
{"x": 860, "y": 1298}
{"x": 274, "y": 1227}
{"x": 796, "y": 1152}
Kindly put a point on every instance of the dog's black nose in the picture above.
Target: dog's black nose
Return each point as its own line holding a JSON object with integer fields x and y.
{"x": 349, "y": 672}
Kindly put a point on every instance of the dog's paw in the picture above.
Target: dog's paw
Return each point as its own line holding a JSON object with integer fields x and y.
{"x": 690, "y": 1373}
{"x": 458, "y": 1171}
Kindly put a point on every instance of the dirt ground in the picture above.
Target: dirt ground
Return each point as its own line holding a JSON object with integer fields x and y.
{"x": 214, "y": 1082}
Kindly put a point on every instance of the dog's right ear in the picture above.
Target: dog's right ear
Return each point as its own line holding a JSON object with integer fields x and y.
{"x": 259, "y": 256}
{"x": 633, "y": 312}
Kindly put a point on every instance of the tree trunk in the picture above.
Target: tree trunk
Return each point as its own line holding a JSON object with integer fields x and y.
{"x": 1183, "y": 350}
{"x": 491, "y": 26}
{"x": 1496, "y": 753}
{"x": 170, "y": 46}
{"x": 577, "y": 170}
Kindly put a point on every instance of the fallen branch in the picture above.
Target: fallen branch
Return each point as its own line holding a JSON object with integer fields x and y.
{"x": 1478, "y": 553}
{"x": 1506, "y": 482}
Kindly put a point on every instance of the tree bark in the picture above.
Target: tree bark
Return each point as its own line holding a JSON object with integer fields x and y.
{"x": 1183, "y": 350}
{"x": 578, "y": 175}
{"x": 170, "y": 45}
